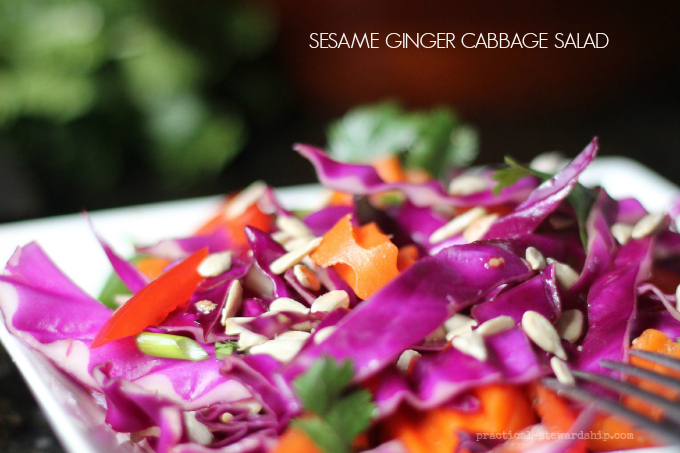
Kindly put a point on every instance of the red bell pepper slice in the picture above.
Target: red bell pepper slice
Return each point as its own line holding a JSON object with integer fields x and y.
{"x": 152, "y": 304}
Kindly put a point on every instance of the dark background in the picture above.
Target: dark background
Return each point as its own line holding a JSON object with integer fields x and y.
{"x": 522, "y": 102}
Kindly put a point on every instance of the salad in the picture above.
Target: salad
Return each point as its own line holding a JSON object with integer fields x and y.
{"x": 403, "y": 315}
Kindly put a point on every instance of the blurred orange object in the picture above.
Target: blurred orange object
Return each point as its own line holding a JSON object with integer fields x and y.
{"x": 503, "y": 408}
{"x": 363, "y": 256}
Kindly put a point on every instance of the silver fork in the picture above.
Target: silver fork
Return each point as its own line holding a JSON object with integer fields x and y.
{"x": 667, "y": 428}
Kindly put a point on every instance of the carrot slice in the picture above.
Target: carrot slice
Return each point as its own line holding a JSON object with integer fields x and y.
{"x": 152, "y": 267}
{"x": 363, "y": 257}
{"x": 617, "y": 434}
{"x": 558, "y": 416}
{"x": 408, "y": 255}
{"x": 235, "y": 226}
{"x": 389, "y": 169}
{"x": 532, "y": 438}
{"x": 504, "y": 408}
{"x": 654, "y": 341}
{"x": 554, "y": 411}
{"x": 295, "y": 440}
{"x": 151, "y": 305}
{"x": 341, "y": 199}
{"x": 417, "y": 175}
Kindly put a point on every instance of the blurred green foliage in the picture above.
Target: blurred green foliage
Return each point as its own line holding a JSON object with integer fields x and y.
{"x": 93, "y": 89}
{"x": 434, "y": 140}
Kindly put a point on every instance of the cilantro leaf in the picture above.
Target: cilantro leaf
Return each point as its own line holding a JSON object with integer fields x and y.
{"x": 432, "y": 140}
{"x": 338, "y": 413}
{"x": 581, "y": 198}
{"x": 321, "y": 386}
{"x": 369, "y": 132}
{"x": 352, "y": 414}
{"x": 322, "y": 434}
{"x": 506, "y": 177}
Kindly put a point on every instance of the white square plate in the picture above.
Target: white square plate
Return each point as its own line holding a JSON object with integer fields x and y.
{"x": 75, "y": 418}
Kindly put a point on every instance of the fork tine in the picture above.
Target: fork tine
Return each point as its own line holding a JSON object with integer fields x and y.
{"x": 663, "y": 379}
{"x": 661, "y": 359}
{"x": 664, "y": 429}
{"x": 671, "y": 408}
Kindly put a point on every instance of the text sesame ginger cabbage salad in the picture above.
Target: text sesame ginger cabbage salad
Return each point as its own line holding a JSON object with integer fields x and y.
{"x": 399, "y": 317}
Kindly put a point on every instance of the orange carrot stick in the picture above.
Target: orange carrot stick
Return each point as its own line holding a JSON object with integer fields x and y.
{"x": 363, "y": 257}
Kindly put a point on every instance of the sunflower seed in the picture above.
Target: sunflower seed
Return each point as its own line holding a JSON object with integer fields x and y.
{"x": 467, "y": 184}
{"x": 293, "y": 226}
{"x": 253, "y": 406}
{"x": 215, "y": 264}
{"x": 541, "y": 332}
{"x": 287, "y": 304}
{"x": 331, "y": 301}
{"x": 562, "y": 372}
{"x": 457, "y": 325}
{"x": 495, "y": 263}
{"x": 245, "y": 199}
{"x": 535, "y": 259}
{"x": 196, "y": 431}
{"x": 550, "y": 162}
{"x": 566, "y": 275}
{"x": 205, "y": 306}
{"x": 233, "y": 302}
{"x": 472, "y": 344}
{"x": 226, "y": 417}
{"x": 570, "y": 325}
{"x": 306, "y": 277}
{"x": 293, "y": 335}
{"x": 281, "y": 237}
{"x": 457, "y": 225}
{"x": 406, "y": 358}
{"x": 296, "y": 243}
{"x": 622, "y": 232}
{"x": 234, "y": 326}
{"x": 647, "y": 225}
{"x": 120, "y": 299}
{"x": 477, "y": 229}
{"x": 294, "y": 257}
{"x": 248, "y": 339}
{"x": 304, "y": 326}
{"x": 438, "y": 334}
{"x": 324, "y": 333}
{"x": 139, "y": 436}
{"x": 281, "y": 349}
{"x": 258, "y": 282}
{"x": 307, "y": 261}
{"x": 495, "y": 325}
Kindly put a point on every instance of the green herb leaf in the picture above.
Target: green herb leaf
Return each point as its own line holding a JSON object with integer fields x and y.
{"x": 352, "y": 414}
{"x": 321, "y": 386}
{"x": 581, "y": 198}
{"x": 432, "y": 140}
{"x": 114, "y": 286}
{"x": 224, "y": 349}
{"x": 339, "y": 414}
{"x": 322, "y": 434}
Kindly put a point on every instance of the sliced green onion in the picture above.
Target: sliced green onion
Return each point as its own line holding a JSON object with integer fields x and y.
{"x": 224, "y": 349}
{"x": 170, "y": 346}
